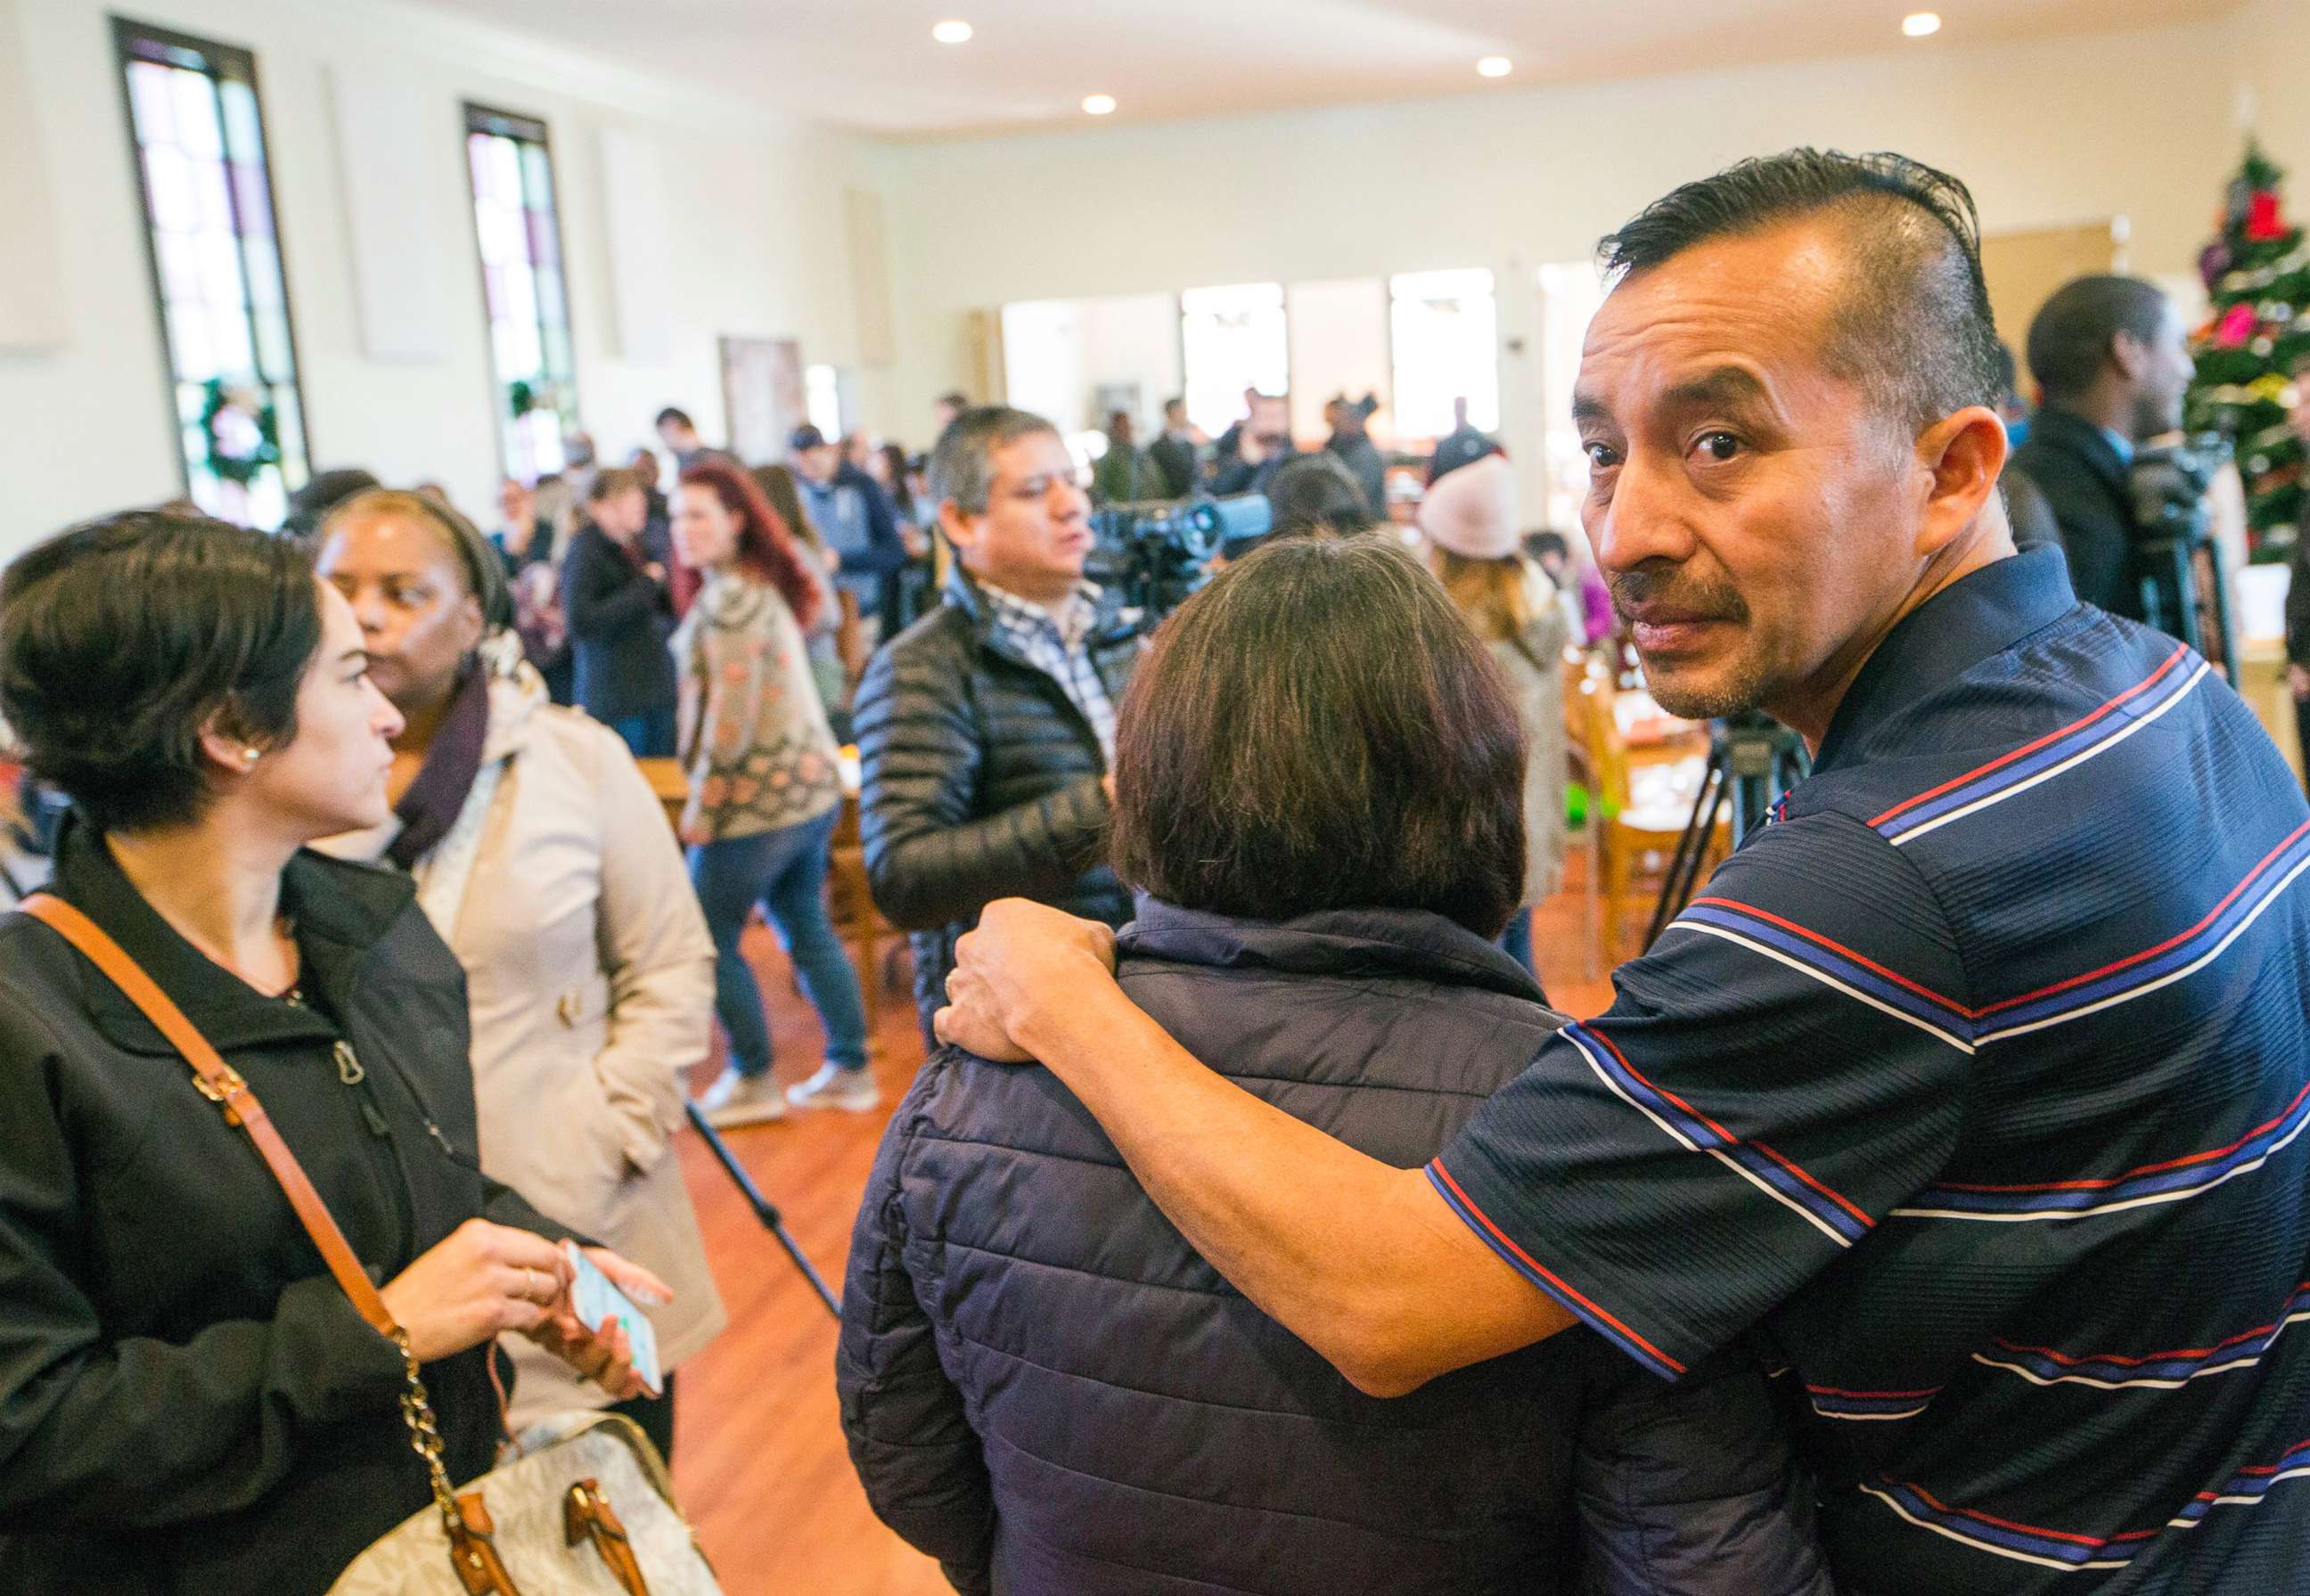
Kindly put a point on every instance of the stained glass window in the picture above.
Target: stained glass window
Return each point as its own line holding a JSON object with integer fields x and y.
{"x": 519, "y": 231}
{"x": 199, "y": 136}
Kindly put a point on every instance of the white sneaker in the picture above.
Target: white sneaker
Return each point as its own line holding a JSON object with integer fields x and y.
{"x": 735, "y": 1099}
{"x": 834, "y": 1087}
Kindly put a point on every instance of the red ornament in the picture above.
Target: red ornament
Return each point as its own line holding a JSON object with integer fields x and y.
{"x": 2262, "y": 218}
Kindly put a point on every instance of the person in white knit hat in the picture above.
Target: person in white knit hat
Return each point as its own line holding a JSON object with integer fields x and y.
{"x": 1469, "y": 519}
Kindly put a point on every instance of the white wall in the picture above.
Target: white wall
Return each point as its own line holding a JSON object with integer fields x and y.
{"x": 2053, "y": 131}
{"x": 753, "y": 200}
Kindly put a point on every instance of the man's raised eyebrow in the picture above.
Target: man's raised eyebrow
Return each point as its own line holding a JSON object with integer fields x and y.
{"x": 1587, "y": 407}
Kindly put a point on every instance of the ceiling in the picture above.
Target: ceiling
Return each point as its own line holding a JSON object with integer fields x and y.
{"x": 872, "y": 65}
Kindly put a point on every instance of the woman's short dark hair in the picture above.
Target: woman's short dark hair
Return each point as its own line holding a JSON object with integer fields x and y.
{"x": 1318, "y": 729}
{"x": 121, "y": 638}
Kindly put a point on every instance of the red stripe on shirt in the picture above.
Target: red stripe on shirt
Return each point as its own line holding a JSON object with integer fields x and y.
{"x": 2116, "y": 1180}
{"x": 1790, "y": 1165}
{"x": 2027, "y": 749}
{"x": 1548, "y": 1274}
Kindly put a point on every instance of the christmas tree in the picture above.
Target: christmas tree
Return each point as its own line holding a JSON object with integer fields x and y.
{"x": 2258, "y": 332}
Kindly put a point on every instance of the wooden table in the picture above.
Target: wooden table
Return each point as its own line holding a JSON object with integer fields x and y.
{"x": 2261, "y": 683}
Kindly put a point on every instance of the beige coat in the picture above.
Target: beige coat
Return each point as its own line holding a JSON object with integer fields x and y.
{"x": 591, "y": 979}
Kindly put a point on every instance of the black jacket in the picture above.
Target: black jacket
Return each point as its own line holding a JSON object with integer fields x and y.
{"x": 189, "y": 1403}
{"x": 618, "y": 622}
{"x": 1175, "y": 458}
{"x": 1231, "y": 474}
{"x": 979, "y": 780}
{"x": 1047, "y": 1389}
{"x": 2086, "y": 484}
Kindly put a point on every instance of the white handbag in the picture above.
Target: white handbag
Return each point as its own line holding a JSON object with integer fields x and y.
{"x": 583, "y": 1511}
{"x": 587, "y": 1510}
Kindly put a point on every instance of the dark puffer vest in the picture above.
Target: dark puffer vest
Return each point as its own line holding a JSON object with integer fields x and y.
{"x": 1048, "y": 1389}
{"x": 979, "y": 780}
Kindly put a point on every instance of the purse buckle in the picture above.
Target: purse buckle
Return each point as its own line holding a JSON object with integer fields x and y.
{"x": 222, "y": 1090}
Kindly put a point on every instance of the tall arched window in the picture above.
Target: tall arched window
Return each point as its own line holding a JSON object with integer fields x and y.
{"x": 518, "y": 226}
{"x": 198, "y": 132}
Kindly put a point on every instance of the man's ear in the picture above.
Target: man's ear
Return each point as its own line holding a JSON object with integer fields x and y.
{"x": 2129, "y": 354}
{"x": 1962, "y": 455}
{"x": 962, "y": 530}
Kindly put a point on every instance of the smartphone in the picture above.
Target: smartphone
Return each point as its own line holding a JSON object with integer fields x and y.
{"x": 597, "y": 1301}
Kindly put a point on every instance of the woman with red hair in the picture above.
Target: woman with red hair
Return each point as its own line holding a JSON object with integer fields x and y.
{"x": 765, "y": 790}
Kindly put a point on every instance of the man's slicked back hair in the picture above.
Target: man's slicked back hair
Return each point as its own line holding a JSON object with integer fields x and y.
{"x": 1915, "y": 327}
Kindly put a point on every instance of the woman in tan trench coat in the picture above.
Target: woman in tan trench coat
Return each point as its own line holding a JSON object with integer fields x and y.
{"x": 545, "y": 861}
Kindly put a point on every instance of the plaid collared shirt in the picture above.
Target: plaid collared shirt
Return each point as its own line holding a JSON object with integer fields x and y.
{"x": 1056, "y": 640}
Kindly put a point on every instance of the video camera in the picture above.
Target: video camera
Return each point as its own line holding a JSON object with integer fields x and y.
{"x": 2169, "y": 482}
{"x": 2175, "y": 563}
{"x": 1155, "y": 554}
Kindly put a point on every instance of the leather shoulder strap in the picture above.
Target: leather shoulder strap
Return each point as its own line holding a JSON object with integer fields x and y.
{"x": 223, "y": 1085}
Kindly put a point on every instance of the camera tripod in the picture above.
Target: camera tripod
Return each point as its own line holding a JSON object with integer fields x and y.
{"x": 2184, "y": 595}
{"x": 764, "y": 1209}
{"x": 1752, "y": 761}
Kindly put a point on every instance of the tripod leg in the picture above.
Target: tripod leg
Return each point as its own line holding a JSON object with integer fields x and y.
{"x": 1683, "y": 872}
{"x": 764, "y": 1209}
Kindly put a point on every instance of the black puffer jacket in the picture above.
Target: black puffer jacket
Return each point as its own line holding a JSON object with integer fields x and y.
{"x": 189, "y": 1403}
{"x": 1048, "y": 1389}
{"x": 979, "y": 780}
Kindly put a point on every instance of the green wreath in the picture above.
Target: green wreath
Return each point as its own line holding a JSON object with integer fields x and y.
{"x": 242, "y": 469}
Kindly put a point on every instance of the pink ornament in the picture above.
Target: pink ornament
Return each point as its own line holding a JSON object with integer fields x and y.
{"x": 2236, "y": 327}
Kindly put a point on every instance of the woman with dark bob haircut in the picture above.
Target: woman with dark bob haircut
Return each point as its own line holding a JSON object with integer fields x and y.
{"x": 1319, "y": 782}
{"x": 189, "y": 1402}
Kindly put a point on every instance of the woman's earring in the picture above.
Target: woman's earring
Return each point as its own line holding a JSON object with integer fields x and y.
{"x": 250, "y": 756}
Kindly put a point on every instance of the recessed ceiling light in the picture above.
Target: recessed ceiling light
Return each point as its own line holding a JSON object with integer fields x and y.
{"x": 1495, "y": 67}
{"x": 1098, "y": 105}
{"x": 953, "y": 31}
{"x": 1917, "y": 24}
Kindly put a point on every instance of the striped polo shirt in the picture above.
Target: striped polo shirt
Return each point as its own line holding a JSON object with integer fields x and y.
{"x": 1973, "y": 1090}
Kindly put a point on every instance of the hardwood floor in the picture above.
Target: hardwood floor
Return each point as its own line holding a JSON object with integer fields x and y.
{"x": 759, "y": 1461}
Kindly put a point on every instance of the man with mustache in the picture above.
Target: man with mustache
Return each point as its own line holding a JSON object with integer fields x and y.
{"x": 1972, "y": 1089}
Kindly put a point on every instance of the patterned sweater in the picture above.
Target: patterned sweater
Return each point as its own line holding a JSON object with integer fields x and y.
{"x": 755, "y": 742}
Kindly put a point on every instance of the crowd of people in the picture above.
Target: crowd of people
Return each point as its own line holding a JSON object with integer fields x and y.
{"x": 1925, "y": 1215}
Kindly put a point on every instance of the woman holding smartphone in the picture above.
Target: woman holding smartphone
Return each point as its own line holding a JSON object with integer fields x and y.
{"x": 189, "y": 1402}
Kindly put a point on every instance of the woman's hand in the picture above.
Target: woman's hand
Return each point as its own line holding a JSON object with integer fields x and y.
{"x": 603, "y": 1355}
{"x": 478, "y": 1282}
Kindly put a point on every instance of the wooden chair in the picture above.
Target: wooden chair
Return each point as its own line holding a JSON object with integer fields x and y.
{"x": 1627, "y": 835}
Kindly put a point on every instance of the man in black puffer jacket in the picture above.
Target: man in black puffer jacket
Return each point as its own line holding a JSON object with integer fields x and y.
{"x": 985, "y": 728}
{"x": 1047, "y": 1389}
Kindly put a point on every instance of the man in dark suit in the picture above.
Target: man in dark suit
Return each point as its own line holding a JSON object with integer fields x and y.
{"x": 2112, "y": 364}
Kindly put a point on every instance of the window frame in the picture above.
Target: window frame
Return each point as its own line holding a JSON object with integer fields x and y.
{"x": 477, "y": 116}
{"x": 222, "y": 60}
